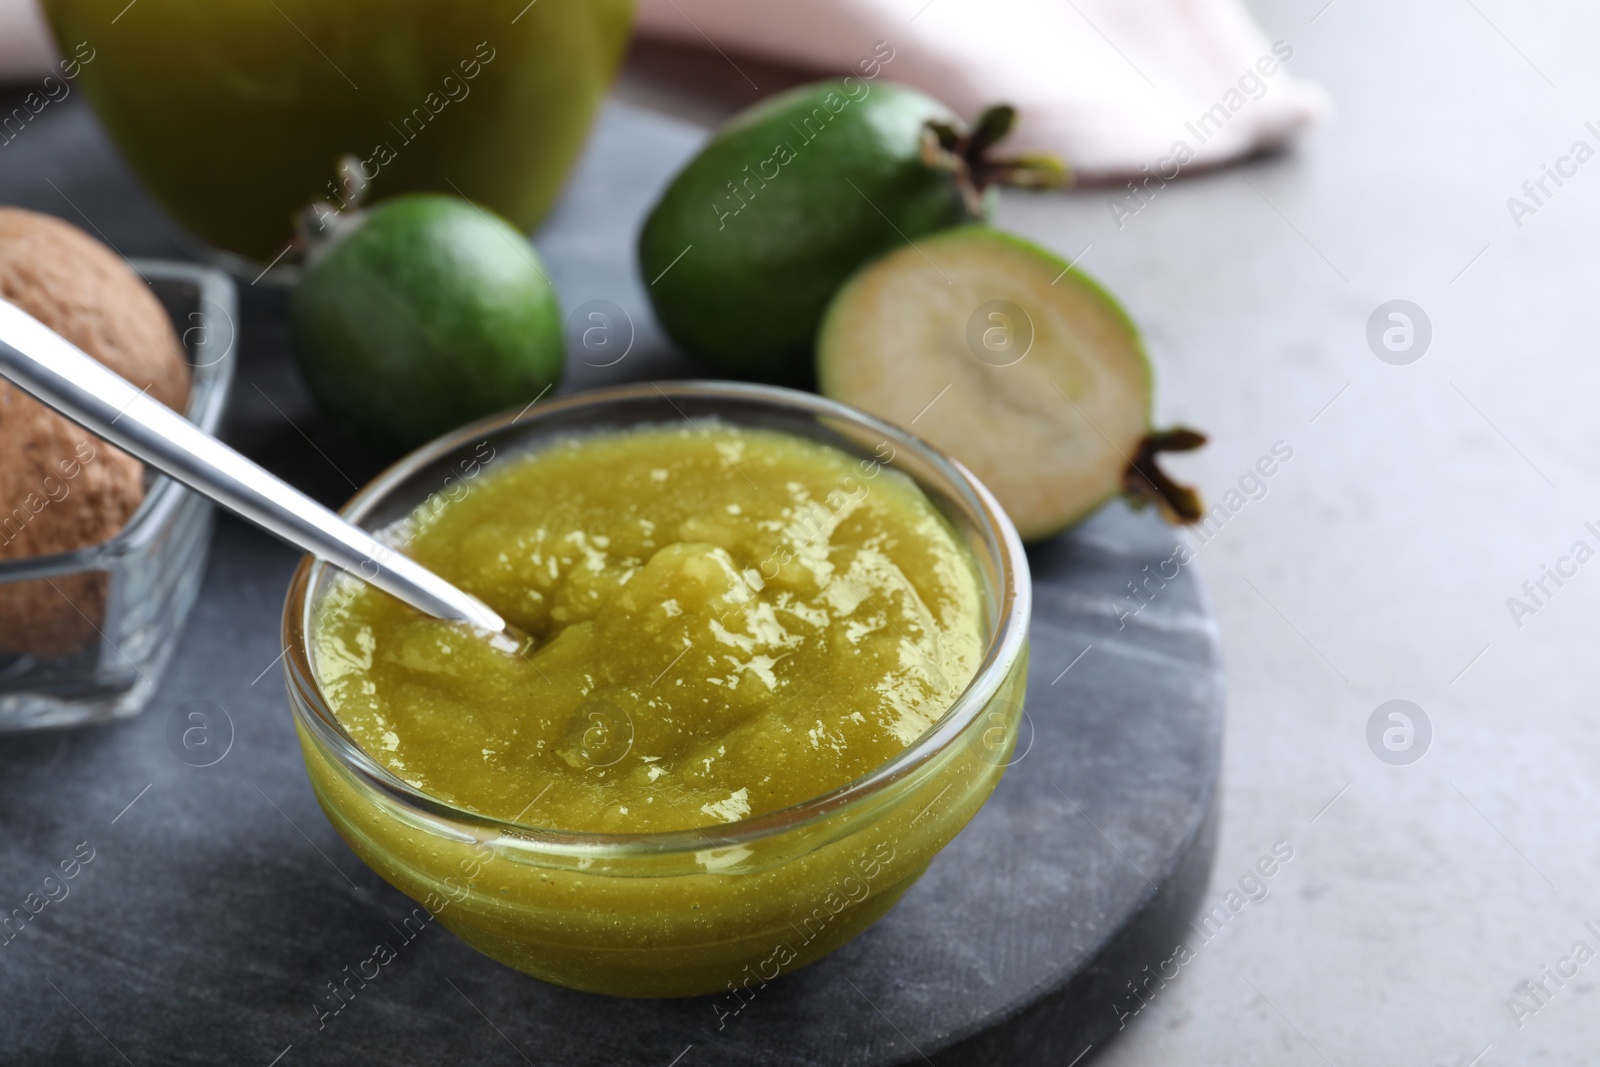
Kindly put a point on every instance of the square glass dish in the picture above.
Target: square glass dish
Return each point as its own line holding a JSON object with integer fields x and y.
{"x": 128, "y": 595}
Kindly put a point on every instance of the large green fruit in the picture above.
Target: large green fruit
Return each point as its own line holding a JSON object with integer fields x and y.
{"x": 753, "y": 237}
{"x": 427, "y": 314}
{"x": 232, "y": 113}
{"x": 1021, "y": 367}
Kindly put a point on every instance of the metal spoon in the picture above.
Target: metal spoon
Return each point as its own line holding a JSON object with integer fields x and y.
{"x": 41, "y": 362}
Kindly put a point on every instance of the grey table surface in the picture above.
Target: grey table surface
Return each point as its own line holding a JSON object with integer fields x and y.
{"x": 217, "y": 904}
{"x": 1379, "y": 562}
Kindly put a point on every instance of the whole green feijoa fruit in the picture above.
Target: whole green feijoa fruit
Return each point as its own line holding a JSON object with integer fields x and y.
{"x": 426, "y": 313}
{"x": 752, "y": 238}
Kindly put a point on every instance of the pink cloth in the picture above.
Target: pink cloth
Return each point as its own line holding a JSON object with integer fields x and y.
{"x": 1108, "y": 85}
{"x": 26, "y": 50}
{"x": 1111, "y": 86}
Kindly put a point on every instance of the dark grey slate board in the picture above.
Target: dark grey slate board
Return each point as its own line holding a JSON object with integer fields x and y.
{"x": 218, "y": 905}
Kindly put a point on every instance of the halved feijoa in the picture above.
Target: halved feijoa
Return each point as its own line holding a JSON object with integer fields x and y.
{"x": 1018, "y": 365}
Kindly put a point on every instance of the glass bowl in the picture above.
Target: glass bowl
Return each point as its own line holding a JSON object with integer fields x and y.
{"x": 719, "y": 909}
{"x": 132, "y": 592}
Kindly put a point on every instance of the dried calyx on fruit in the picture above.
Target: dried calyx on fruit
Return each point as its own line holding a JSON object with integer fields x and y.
{"x": 965, "y": 153}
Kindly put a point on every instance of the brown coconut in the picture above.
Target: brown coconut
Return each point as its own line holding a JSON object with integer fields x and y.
{"x": 61, "y": 487}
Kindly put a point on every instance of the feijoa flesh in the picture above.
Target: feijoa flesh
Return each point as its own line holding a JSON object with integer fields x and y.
{"x": 1018, "y": 365}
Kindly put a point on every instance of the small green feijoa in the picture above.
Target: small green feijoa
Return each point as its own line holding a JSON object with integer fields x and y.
{"x": 423, "y": 313}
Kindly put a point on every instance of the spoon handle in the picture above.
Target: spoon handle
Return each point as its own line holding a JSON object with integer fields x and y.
{"x": 46, "y": 365}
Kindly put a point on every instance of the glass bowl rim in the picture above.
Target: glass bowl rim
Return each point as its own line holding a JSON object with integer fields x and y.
{"x": 1003, "y": 650}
